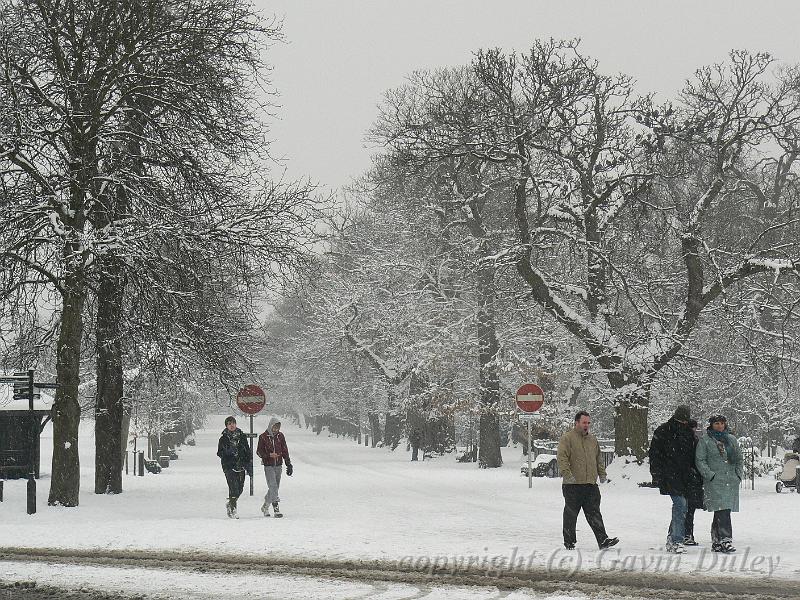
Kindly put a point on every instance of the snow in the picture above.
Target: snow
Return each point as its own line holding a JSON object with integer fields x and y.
{"x": 208, "y": 585}
{"x": 347, "y": 501}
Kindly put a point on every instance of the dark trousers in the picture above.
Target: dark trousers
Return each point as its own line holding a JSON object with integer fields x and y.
{"x": 587, "y": 497}
{"x": 689, "y": 523}
{"x": 721, "y": 528}
{"x": 235, "y": 481}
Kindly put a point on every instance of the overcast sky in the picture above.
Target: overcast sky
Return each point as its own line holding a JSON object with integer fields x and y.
{"x": 341, "y": 55}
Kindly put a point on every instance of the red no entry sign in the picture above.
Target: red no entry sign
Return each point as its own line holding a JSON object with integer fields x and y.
{"x": 530, "y": 398}
{"x": 251, "y": 399}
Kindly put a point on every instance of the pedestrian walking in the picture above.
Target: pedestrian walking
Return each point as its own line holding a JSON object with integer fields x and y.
{"x": 694, "y": 498}
{"x": 581, "y": 464}
{"x": 671, "y": 455}
{"x": 237, "y": 459}
{"x": 274, "y": 452}
{"x": 719, "y": 461}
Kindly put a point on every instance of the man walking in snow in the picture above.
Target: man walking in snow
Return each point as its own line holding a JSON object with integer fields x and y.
{"x": 581, "y": 463}
{"x": 273, "y": 452}
{"x": 672, "y": 452}
{"x": 236, "y": 458}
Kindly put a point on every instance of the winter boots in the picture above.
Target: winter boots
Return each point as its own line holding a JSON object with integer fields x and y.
{"x": 265, "y": 509}
{"x": 276, "y": 510}
{"x": 725, "y": 547}
{"x": 230, "y": 506}
{"x": 674, "y": 548}
{"x": 689, "y": 541}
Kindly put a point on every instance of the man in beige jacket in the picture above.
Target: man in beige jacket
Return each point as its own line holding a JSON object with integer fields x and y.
{"x": 581, "y": 463}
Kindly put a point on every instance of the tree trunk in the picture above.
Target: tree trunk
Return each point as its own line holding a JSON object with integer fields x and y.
{"x": 109, "y": 408}
{"x": 393, "y": 431}
{"x": 124, "y": 433}
{"x": 375, "y": 428}
{"x": 630, "y": 422}
{"x": 489, "y": 450}
{"x": 66, "y": 470}
{"x": 488, "y": 347}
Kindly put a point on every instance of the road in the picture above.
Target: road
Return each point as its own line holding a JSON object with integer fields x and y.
{"x": 97, "y": 575}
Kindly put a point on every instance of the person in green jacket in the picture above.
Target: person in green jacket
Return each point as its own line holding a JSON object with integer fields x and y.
{"x": 719, "y": 461}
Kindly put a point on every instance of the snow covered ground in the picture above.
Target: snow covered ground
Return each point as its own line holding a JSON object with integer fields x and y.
{"x": 352, "y": 502}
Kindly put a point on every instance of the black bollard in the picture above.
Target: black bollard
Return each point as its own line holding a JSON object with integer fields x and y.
{"x": 31, "y": 494}
{"x": 1, "y": 490}
{"x": 141, "y": 463}
{"x": 126, "y": 463}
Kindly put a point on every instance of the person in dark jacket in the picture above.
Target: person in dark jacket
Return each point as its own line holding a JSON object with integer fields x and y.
{"x": 274, "y": 452}
{"x": 237, "y": 459}
{"x": 672, "y": 452}
{"x": 694, "y": 498}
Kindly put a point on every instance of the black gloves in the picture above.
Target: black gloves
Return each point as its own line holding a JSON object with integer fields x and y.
{"x": 289, "y": 469}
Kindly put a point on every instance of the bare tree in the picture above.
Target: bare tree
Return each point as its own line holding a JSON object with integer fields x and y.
{"x": 613, "y": 197}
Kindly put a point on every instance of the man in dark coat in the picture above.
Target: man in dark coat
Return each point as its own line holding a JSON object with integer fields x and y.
{"x": 237, "y": 459}
{"x": 671, "y": 465}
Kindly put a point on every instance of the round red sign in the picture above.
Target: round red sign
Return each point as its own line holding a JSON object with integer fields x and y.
{"x": 251, "y": 399}
{"x": 530, "y": 398}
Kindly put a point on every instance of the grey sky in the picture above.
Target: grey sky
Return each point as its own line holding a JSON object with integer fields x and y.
{"x": 342, "y": 55}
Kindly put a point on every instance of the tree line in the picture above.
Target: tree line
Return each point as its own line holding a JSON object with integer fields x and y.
{"x": 530, "y": 218}
{"x": 139, "y": 223}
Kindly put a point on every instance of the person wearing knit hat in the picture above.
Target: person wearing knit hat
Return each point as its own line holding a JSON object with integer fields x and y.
{"x": 682, "y": 414}
{"x": 672, "y": 454}
{"x": 719, "y": 461}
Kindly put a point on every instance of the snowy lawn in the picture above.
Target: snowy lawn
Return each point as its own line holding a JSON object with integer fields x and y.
{"x": 350, "y": 501}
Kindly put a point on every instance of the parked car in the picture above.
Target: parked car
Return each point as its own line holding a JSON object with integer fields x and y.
{"x": 544, "y": 465}
{"x": 152, "y": 466}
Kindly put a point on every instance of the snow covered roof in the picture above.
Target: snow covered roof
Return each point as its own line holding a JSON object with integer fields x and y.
{"x": 7, "y": 402}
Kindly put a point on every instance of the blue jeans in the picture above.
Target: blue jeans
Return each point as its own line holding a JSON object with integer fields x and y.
{"x": 677, "y": 530}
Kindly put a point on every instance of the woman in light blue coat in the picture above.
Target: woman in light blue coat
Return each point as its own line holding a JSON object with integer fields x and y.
{"x": 719, "y": 461}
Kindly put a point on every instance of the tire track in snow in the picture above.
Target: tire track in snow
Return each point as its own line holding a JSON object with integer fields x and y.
{"x": 639, "y": 585}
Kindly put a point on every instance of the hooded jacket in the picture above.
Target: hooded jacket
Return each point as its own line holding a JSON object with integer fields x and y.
{"x": 269, "y": 442}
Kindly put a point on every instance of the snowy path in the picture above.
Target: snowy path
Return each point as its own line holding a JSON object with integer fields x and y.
{"x": 350, "y": 502}
{"x": 193, "y": 575}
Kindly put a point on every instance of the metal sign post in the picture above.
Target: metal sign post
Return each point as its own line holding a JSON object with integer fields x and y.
{"x": 530, "y": 451}
{"x": 251, "y": 399}
{"x": 252, "y": 462}
{"x": 530, "y": 398}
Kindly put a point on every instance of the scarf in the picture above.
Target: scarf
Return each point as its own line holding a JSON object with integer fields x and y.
{"x": 722, "y": 440}
{"x": 233, "y": 436}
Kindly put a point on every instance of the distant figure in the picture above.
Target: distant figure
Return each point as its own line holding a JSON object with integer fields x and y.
{"x": 234, "y": 453}
{"x": 273, "y": 452}
{"x": 581, "y": 463}
{"x": 719, "y": 461}
{"x": 695, "y": 493}
{"x": 671, "y": 463}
